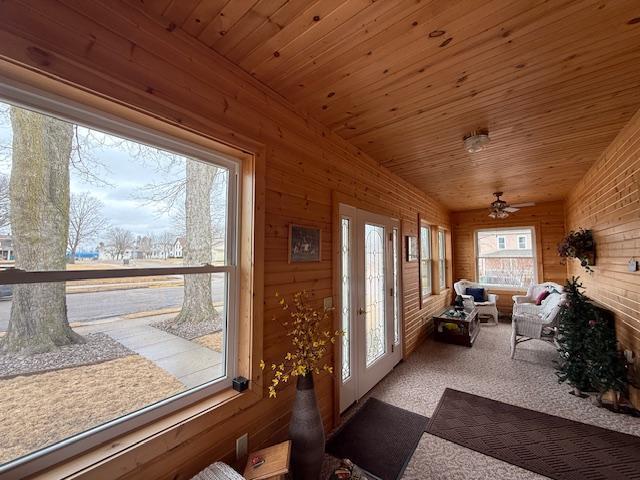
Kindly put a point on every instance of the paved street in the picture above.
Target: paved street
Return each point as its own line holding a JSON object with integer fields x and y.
{"x": 87, "y": 307}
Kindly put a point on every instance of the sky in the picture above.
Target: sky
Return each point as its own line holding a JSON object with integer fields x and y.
{"x": 123, "y": 170}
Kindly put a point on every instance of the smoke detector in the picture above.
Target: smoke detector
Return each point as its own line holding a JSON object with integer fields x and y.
{"x": 476, "y": 140}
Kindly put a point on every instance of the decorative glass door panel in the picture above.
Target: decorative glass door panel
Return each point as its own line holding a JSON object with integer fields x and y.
{"x": 369, "y": 298}
{"x": 374, "y": 292}
{"x": 345, "y": 294}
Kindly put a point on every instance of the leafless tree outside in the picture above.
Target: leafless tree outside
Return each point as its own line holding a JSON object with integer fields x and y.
{"x": 5, "y": 201}
{"x": 86, "y": 221}
{"x": 119, "y": 240}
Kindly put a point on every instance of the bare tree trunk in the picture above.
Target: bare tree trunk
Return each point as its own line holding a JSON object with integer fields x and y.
{"x": 39, "y": 191}
{"x": 197, "y": 305}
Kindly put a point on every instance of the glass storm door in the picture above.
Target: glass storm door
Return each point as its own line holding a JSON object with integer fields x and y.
{"x": 369, "y": 300}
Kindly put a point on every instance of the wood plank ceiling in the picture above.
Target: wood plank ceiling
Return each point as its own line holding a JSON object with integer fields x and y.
{"x": 404, "y": 80}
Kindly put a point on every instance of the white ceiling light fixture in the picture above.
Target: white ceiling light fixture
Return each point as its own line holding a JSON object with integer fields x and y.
{"x": 499, "y": 209}
{"x": 476, "y": 140}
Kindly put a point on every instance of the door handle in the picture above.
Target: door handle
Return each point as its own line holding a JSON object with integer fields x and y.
{"x": 361, "y": 311}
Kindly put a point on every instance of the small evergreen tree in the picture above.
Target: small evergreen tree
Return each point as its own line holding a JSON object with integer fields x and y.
{"x": 572, "y": 336}
{"x": 607, "y": 367}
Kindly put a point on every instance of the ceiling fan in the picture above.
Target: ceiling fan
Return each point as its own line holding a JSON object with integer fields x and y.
{"x": 500, "y": 209}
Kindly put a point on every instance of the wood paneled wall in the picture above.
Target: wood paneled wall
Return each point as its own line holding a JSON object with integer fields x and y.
{"x": 607, "y": 200}
{"x": 112, "y": 49}
{"x": 548, "y": 220}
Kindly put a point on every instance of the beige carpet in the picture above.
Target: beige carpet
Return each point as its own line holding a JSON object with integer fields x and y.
{"x": 486, "y": 369}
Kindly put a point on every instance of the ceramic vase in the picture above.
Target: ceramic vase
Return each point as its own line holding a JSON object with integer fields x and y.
{"x": 306, "y": 432}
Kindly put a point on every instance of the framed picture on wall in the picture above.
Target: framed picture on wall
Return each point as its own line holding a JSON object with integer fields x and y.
{"x": 411, "y": 248}
{"x": 304, "y": 244}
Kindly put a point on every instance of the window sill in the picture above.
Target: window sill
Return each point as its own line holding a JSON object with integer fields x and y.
{"x": 158, "y": 436}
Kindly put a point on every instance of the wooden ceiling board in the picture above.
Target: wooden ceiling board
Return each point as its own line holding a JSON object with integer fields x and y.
{"x": 252, "y": 20}
{"x": 516, "y": 112}
{"x": 229, "y": 16}
{"x": 273, "y": 24}
{"x": 463, "y": 86}
{"x": 179, "y": 10}
{"x": 404, "y": 80}
{"x": 352, "y": 33}
{"x": 303, "y": 24}
{"x": 202, "y": 15}
{"x": 327, "y": 29}
{"x": 379, "y": 58}
{"x": 457, "y": 69}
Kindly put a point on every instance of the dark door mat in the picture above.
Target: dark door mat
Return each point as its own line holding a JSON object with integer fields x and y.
{"x": 553, "y": 446}
{"x": 379, "y": 438}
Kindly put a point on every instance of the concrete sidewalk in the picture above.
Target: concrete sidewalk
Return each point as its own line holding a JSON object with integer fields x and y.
{"x": 191, "y": 363}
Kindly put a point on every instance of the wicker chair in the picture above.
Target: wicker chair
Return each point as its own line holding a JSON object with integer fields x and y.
{"x": 527, "y": 303}
{"x": 533, "y": 322}
{"x": 488, "y": 307}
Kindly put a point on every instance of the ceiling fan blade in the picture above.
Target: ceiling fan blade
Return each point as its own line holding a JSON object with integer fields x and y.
{"x": 521, "y": 205}
{"x": 511, "y": 209}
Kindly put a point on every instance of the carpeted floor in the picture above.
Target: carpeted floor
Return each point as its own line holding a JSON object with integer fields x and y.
{"x": 486, "y": 369}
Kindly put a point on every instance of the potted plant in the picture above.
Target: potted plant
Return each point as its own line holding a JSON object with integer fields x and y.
{"x": 579, "y": 244}
{"x": 572, "y": 366}
{"x": 309, "y": 345}
{"x": 606, "y": 364}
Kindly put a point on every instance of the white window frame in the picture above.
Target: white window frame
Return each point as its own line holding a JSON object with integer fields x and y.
{"x": 525, "y": 242}
{"x": 442, "y": 258}
{"x": 65, "y": 109}
{"x": 534, "y": 256}
{"x": 504, "y": 242}
{"x": 426, "y": 288}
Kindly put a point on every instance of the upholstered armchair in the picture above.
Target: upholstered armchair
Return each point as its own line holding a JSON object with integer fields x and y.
{"x": 536, "y": 323}
{"x": 527, "y": 303}
{"x": 487, "y": 307}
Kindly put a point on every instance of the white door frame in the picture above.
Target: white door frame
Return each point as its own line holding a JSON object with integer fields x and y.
{"x": 357, "y": 378}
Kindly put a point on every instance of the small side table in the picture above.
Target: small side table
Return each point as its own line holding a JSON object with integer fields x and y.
{"x": 458, "y": 330}
{"x": 276, "y": 465}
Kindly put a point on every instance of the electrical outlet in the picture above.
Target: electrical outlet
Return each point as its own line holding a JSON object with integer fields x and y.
{"x": 328, "y": 303}
{"x": 242, "y": 446}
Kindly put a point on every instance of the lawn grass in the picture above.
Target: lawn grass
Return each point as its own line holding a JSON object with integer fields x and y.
{"x": 212, "y": 341}
{"x": 38, "y": 410}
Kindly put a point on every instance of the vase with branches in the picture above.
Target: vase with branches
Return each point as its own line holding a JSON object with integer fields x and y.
{"x": 309, "y": 345}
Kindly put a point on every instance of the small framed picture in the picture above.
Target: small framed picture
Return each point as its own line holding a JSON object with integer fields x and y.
{"x": 304, "y": 244}
{"x": 411, "y": 248}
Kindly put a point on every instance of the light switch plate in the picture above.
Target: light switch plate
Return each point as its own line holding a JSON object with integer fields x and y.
{"x": 628, "y": 355}
{"x": 633, "y": 265}
{"x": 242, "y": 446}
{"x": 328, "y": 303}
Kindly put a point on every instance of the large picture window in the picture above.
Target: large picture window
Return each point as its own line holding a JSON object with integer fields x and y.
{"x": 505, "y": 258}
{"x": 118, "y": 277}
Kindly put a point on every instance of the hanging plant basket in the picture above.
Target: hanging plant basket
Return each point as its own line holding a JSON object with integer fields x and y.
{"x": 580, "y": 245}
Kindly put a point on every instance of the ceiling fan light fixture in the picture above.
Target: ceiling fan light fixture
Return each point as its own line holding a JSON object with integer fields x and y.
{"x": 476, "y": 140}
{"x": 498, "y": 214}
{"x": 499, "y": 209}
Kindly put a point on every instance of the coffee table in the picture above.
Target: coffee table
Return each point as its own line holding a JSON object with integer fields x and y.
{"x": 459, "y": 330}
